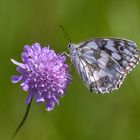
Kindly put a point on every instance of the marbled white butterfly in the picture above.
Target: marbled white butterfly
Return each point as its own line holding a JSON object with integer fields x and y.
{"x": 103, "y": 63}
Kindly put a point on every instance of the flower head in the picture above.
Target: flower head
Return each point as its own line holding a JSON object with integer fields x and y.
{"x": 43, "y": 74}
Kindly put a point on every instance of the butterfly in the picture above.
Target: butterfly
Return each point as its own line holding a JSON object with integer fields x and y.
{"x": 103, "y": 63}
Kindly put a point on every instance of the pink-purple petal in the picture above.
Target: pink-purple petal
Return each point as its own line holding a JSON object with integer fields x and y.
{"x": 49, "y": 105}
{"x": 36, "y": 48}
{"x": 16, "y": 78}
{"x": 24, "y": 57}
{"x": 17, "y": 63}
{"x": 29, "y": 97}
{"x": 24, "y": 86}
{"x": 27, "y": 49}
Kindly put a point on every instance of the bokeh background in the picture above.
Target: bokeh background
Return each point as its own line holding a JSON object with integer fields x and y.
{"x": 81, "y": 115}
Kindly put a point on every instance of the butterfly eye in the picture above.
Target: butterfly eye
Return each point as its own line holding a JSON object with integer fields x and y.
{"x": 69, "y": 46}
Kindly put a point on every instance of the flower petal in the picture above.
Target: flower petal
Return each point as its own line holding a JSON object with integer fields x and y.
{"x": 17, "y": 63}
{"x": 36, "y": 47}
{"x": 54, "y": 99}
{"x": 24, "y": 86}
{"x": 27, "y": 49}
{"x": 49, "y": 105}
{"x": 16, "y": 78}
{"x": 63, "y": 58}
{"x": 38, "y": 98}
{"x": 24, "y": 57}
{"x": 29, "y": 97}
{"x": 21, "y": 70}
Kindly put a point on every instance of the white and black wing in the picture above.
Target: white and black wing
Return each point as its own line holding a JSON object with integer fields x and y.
{"x": 122, "y": 50}
{"x": 103, "y": 63}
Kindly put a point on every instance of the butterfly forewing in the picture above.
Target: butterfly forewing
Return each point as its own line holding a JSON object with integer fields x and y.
{"x": 103, "y": 63}
{"x": 123, "y": 51}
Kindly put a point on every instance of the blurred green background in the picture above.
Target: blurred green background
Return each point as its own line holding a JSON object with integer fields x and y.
{"x": 81, "y": 115}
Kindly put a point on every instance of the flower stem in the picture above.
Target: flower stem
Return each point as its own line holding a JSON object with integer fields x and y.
{"x": 23, "y": 120}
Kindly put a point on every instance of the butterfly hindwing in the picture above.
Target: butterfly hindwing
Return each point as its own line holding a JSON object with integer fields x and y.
{"x": 102, "y": 74}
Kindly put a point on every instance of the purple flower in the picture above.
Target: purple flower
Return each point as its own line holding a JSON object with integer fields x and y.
{"x": 43, "y": 73}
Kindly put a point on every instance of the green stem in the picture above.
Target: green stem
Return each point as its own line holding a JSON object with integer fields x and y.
{"x": 23, "y": 120}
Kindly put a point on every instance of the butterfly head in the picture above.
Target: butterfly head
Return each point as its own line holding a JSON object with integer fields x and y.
{"x": 72, "y": 48}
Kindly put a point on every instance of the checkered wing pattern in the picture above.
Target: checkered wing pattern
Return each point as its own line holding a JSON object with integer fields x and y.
{"x": 103, "y": 63}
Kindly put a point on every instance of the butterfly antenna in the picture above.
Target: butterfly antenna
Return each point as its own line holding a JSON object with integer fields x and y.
{"x": 62, "y": 28}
